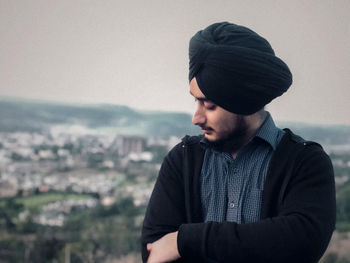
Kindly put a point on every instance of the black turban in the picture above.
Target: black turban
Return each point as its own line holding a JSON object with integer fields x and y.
{"x": 236, "y": 68}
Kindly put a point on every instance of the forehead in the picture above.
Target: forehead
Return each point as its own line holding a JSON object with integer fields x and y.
{"x": 194, "y": 89}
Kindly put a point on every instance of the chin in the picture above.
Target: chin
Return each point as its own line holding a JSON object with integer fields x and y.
{"x": 211, "y": 137}
{"x": 218, "y": 139}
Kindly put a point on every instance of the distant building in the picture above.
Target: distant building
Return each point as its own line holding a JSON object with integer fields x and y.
{"x": 7, "y": 189}
{"x": 129, "y": 144}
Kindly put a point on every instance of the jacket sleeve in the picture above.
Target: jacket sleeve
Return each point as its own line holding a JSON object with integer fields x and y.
{"x": 166, "y": 211}
{"x": 300, "y": 232}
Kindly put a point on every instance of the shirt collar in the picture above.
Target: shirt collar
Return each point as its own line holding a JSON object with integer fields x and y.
{"x": 268, "y": 131}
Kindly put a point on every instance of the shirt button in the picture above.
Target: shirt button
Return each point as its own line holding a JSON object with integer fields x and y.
{"x": 235, "y": 170}
{"x": 232, "y": 205}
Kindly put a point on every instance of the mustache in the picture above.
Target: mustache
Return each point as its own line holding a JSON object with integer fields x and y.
{"x": 205, "y": 128}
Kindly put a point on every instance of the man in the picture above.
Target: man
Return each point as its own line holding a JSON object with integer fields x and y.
{"x": 246, "y": 191}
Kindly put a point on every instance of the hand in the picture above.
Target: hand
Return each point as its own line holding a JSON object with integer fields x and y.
{"x": 164, "y": 249}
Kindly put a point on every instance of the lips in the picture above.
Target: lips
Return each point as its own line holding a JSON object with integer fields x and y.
{"x": 206, "y": 129}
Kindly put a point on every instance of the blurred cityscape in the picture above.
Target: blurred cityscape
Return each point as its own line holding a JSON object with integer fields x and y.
{"x": 90, "y": 165}
{"x": 45, "y": 179}
{"x": 73, "y": 189}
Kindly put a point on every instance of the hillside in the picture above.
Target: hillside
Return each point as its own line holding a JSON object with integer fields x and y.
{"x": 31, "y": 116}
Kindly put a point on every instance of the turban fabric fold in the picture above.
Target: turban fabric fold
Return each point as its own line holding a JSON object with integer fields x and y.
{"x": 236, "y": 68}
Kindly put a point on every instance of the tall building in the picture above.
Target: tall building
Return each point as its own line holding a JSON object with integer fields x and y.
{"x": 129, "y": 144}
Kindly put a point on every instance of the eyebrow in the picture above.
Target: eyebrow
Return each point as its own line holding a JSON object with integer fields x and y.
{"x": 199, "y": 98}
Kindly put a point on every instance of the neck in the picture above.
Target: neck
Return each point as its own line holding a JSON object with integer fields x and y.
{"x": 252, "y": 123}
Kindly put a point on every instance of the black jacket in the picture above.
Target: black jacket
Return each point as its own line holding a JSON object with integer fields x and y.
{"x": 297, "y": 212}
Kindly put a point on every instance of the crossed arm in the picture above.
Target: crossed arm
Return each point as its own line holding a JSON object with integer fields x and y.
{"x": 299, "y": 232}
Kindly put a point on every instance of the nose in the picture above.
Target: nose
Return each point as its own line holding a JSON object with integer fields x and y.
{"x": 198, "y": 117}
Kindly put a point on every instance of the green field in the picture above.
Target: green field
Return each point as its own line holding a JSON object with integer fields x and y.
{"x": 39, "y": 200}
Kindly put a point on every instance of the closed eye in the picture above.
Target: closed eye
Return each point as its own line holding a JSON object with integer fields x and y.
{"x": 209, "y": 105}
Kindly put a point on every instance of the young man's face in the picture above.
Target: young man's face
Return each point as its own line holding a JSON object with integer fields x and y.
{"x": 217, "y": 124}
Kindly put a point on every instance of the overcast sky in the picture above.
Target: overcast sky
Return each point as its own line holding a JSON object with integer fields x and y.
{"x": 136, "y": 52}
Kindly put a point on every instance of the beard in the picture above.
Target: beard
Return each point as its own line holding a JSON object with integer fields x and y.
{"x": 233, "y": 140}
